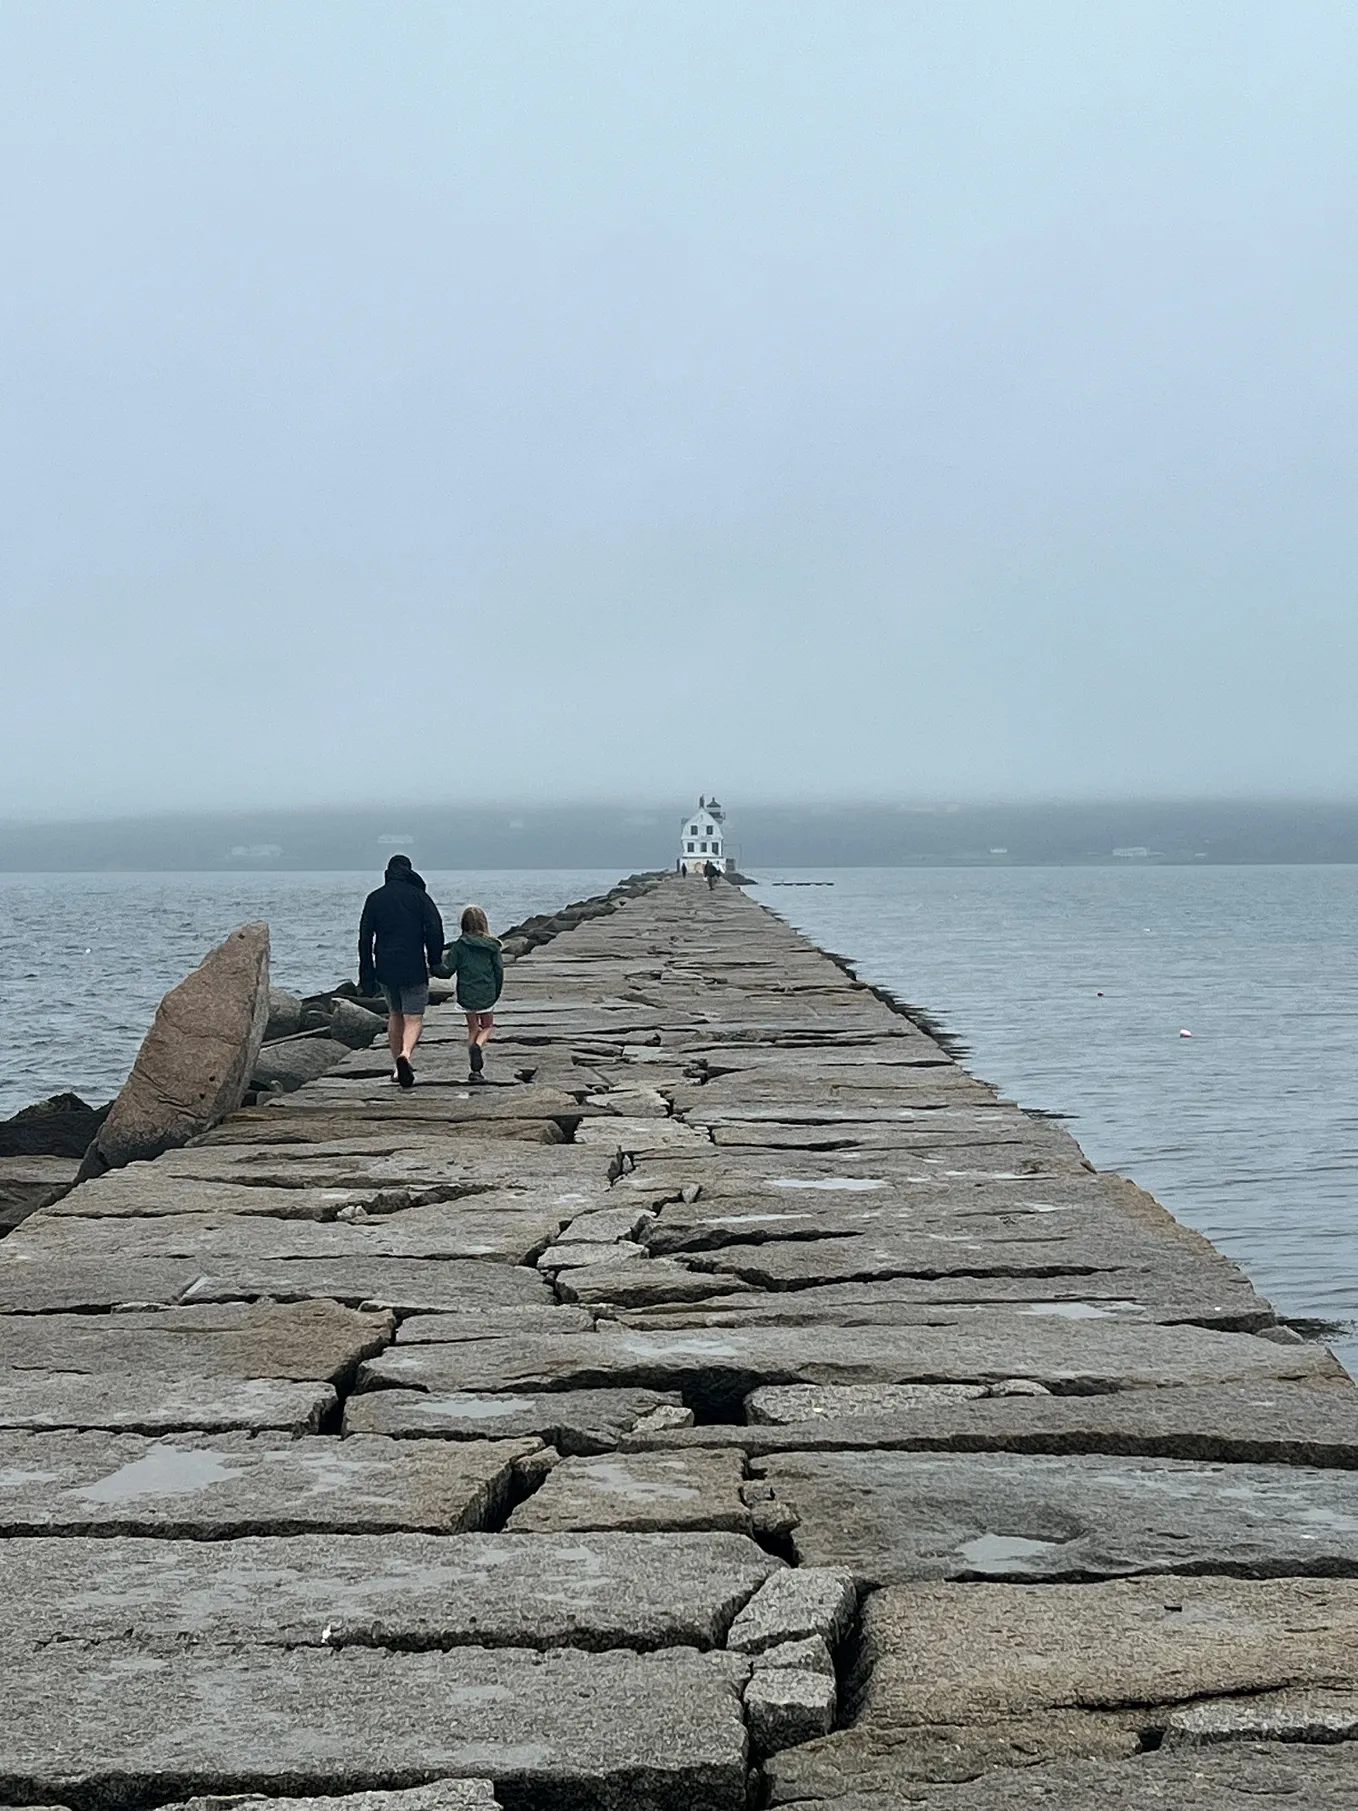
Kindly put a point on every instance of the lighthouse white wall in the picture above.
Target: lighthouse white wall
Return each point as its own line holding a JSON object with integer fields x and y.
{"x": 700, "y": 841}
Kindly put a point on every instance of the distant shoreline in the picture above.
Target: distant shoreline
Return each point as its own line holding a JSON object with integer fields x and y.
{"x": 771, "y": 869}
{"x": 761, "y": 838}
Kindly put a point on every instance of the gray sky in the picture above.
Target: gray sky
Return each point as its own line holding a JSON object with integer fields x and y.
{"x": 444, "y": 401}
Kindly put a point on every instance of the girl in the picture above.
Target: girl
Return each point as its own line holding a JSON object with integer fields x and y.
{"x": 475, "y": 960}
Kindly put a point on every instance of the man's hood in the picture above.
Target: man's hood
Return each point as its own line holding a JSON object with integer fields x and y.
{"x": 409, "y": 876}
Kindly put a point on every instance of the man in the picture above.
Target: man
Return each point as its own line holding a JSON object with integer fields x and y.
{"x": 713, "y": 873}
{"x": 400, "y": 938}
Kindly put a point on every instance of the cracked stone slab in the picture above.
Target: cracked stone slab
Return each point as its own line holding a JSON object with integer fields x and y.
{"x": 439, "y": 1094}
{"x": 623, "y": 1284}
{"x": 26, "y": 1182}
{"x": 952, "y": 1678}
{"x": 1286, "y": 1716}
{"x": 397, "y": 1590}
{"x": 505, "y": 1228}
{"x": 441, "y": 1795}
{"x": 785, "y": 1706}
{"x": 1185, "y": 1293}
{"x": 336, "y": 1109}
{"x": 693, "y": 1490}
{"x": 606, "y": 1225}
{"x": 1034, "y": 1154}
{"x": 568, "y": 1255}
{"x": 795, "y": 1606}
{"x": 824, "y": 1193}
{"x": 574, "y": 1421}
{"x": 727, "y": 1364}
{"x": 832, "y": 1084}
{"x": 163, "y": 1404}
{"x": 296, "y": 1340}
{"x": 262, "y": 1365}
{"x": 199, "y": 1488}
{"x": 140, "y": 1191}
{"x": 1117, "y": 1257}
{"x": 493, "y": 1322}
{"x": 1268, "y": 1422}
{"x": 416, "y": 1286}
{"x": 956, "y": 1124}
{"x": 790, "y": 1404}
{"x": 809, "y": 1654}
{"x": 634, "y": 1136}
{"x": 894, "y": 1517}
{"x": 71, "y": 1285}
{"x": 1249, "y": 1776}
{"x": 845, "y": 1183}
{"x": 658, "y": 1732}
{"x": 326, "y": 1125}
{"x": 403, "y": 1159}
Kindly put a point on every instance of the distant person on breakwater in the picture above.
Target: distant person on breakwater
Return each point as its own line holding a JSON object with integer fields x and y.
{"x": 400, "y": 938}
{"x": 476, "y": 961}
{"x": 713, "y": 873}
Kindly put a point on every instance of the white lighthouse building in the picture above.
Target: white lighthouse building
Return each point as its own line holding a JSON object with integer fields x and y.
{"x": 702, "y": 839}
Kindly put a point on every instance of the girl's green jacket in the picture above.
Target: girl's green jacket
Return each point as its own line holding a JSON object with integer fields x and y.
{"x": 480, "y": 971}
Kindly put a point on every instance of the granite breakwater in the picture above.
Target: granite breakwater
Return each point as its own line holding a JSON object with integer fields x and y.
{"x": 737, "y": 1404}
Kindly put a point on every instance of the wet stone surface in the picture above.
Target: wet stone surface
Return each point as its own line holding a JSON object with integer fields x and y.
{"x": 575, "y": 1421}
{"x": 952, "y": 1679}
{"x": 639, "y": 1490}
{"x": 655, "y": 1730}
{"x": 1250, "y": 1777}
{"x": 395, "y": 1590}
{"x": 897, "y": 1517}
{"x": 212, "y": 1487}
{"x": 734, "y": 1403}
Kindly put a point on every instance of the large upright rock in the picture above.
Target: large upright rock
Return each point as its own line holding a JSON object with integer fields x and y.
{"x": 196, "y": 1060}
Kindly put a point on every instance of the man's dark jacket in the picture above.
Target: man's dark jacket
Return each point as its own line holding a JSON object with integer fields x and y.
{"x": 400, "y": 936}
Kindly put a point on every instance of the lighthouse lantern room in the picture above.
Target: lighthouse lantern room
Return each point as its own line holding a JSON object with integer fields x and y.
{"x": 701, "y": 839}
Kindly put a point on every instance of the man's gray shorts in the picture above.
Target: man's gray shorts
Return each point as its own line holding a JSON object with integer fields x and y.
{"x": 412, "y": 1001}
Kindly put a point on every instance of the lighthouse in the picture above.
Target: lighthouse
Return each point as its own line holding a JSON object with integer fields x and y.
{"x": 702, "y": 839}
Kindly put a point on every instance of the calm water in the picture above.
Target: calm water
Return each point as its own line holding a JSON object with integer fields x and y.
{"x": 1069, "y": 985}
{"x": 85, "y": 958}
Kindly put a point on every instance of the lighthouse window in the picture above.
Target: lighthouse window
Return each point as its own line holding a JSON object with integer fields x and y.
{"x": 690, "y": 848}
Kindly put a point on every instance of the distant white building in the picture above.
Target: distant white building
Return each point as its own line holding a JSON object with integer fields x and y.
{"x": 702, "y": 839}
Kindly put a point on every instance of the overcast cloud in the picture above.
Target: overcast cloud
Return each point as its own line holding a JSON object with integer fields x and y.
{"x": 517, "y": 401}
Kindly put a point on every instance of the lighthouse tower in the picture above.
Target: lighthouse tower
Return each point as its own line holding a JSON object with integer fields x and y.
{"x": 702, "y": 839}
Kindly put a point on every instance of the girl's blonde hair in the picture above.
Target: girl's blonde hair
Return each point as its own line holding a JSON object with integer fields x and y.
{"x": 475, "y": 922}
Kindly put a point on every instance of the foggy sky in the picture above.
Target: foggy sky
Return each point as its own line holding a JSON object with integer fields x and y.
{"x": 529, "y": 401}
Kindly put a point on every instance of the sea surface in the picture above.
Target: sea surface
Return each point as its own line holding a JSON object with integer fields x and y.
{"x": 1070, "y": 987}
{"x": 85, "y": 958}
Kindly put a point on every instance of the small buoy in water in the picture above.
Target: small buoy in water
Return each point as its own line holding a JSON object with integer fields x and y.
{"x": 1098, "y": 992}
{"x": 1184, "y": 1034}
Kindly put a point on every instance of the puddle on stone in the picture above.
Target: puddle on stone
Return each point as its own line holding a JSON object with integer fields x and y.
{"x": 849, "y": 1185}
{"x": 1002, "y": 1552}
{"x": 1082, "y": 1311}
{"x": 475, "y": 1408}
{"x": 165, "y": 1471}
{"x": 755, "y": 1219}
